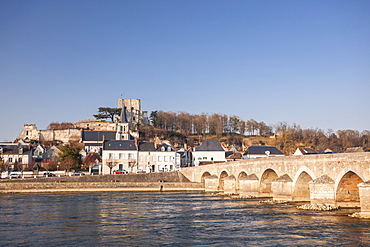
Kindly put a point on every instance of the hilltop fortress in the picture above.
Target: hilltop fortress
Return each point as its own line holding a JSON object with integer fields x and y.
{"x": 72, "y": 132}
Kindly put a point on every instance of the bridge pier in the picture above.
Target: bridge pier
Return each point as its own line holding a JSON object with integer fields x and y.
{"x": 230, "y": 185}
{"x": 249, "y": 186}
{"x": 364, "y": 189}
{"x": 282, "y": 188}
{"x": 211, "y": 184}
{"x": 322, "y": 191}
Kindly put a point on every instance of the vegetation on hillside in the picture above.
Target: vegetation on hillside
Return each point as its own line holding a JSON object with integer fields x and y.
{"x": 181, "y": 128}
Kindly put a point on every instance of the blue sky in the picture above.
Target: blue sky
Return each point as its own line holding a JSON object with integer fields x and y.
{"x": 303, "y": 62}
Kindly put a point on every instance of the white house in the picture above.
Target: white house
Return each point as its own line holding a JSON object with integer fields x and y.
{"x": 167, "y": 158}
{"x": 147, "y": 159}
{"x": 16, "y": 154}
{"x": 210, "y": 151}
{"x": 119, "y": 155}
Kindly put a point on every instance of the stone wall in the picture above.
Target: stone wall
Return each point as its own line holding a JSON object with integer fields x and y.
{"x": 165, "y": 181}
{"x": 36, "y": 187}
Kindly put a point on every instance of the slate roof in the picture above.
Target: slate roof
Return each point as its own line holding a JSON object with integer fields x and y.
{"x": 260, "y": 150}
{"x": 146, "y": 146}
{"x": 123, "y": 117}
{"x": 166, "y": 146}
{"x": 210, "y": 145}
{"x": 119, "y": 145}
{"x": 98, "y": 135}
{"x": 14, "y": 149}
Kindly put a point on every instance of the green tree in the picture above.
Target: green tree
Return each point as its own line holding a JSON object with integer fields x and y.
{"x": 107, "y": 113}
{"x": 70, "y": 157}
{"x": 154, "y": 118}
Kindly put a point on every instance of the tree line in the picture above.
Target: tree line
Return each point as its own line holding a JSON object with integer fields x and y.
{"x": 286, "y": 137}
{"x": 289, "y": 137}
{"x": 210, "y": 124}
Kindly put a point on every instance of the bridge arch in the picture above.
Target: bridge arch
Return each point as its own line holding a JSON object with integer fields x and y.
{"x": 222, "y": 177}
{"x": 204, "y": 175}
{"x": 242, "y": 174}
{"x": 301, "y": 186}
{"x": 266, "y": 180}
{"x": 347, "y": 192}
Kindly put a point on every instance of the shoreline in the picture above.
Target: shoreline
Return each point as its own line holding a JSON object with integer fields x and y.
{"x": 113, "y": 186}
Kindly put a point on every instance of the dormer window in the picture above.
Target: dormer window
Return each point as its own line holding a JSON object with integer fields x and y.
{"x": 20, "y": 150}
{"x": 169, "y": 149}
{"x": 163, "y": 149}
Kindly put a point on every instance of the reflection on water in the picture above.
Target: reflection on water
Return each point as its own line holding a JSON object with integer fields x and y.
{"x": 173, "y": 219}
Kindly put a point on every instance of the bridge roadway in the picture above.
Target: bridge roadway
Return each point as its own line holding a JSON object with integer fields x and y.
{"x": 337, "y": 179}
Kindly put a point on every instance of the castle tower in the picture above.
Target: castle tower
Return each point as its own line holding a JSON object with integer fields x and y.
{"x": 133, "y": 110}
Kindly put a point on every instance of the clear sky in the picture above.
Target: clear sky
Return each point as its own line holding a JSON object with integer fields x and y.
{"x": 303, "y": 62}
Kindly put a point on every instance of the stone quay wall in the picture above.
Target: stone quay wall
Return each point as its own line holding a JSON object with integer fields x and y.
{"x": 166, "y": 181}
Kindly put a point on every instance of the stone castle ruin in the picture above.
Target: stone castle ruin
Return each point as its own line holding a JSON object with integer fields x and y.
{"x": 72, "y": 132}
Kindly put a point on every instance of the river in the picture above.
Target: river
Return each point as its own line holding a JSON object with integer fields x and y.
{"x": 169, "y": 219}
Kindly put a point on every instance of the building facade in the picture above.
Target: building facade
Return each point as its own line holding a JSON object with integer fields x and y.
{"x": 209, "y": 152}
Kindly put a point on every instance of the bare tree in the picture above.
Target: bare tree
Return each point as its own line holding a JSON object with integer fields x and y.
{"x": 90, "y": 160}
{"x": 110, "y": 165}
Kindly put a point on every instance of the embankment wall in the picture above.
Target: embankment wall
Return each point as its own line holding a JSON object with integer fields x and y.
{"x": 169, "y": 181}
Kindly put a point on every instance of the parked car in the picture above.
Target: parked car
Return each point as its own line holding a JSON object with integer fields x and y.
{"x": 140, "y": 171}
{"x": 48, "y": 174}
{"x": 77, "y": 174}
{"x": 120, "y": 172}
{"x": 14, "y": 175}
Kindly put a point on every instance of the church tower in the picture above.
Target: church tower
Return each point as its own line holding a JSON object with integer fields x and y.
{"x": 123, "y": 126}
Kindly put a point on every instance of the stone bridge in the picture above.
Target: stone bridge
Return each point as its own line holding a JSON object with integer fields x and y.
{"x": 337, "y": 179}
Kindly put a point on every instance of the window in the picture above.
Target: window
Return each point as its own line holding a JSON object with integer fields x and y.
{"x": 121, "y": 156}
{"x": 159, "y": 158}
{"x": 110, "y": 156}
{"x": 163, "y": 149}
{"x": 166, "y": 158}
{"x": 10, "y": 160}
{"x": 153, "y": 158}
{"x": 169, "y": 149}
{"x": 148, "y": 158}
{"x": 19, "y": 160}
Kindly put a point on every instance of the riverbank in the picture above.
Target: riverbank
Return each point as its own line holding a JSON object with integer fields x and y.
{"x": 166, "y": 181}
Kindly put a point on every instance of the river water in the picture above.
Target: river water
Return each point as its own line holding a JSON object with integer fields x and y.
{"x": 169, "y": 219}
